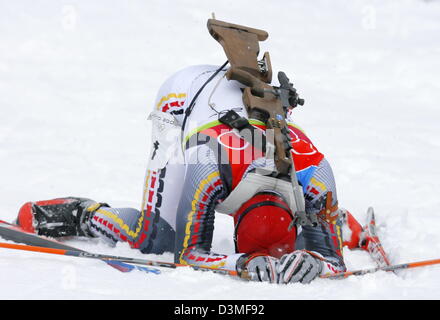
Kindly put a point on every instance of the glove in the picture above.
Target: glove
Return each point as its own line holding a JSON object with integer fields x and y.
{"x": 298, "y": 266}
{"x": 258, "y": 267}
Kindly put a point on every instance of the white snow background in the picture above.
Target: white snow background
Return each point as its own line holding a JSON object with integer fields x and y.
{"x": 78, "y": 79}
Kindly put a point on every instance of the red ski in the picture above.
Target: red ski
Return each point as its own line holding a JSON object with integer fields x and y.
{"x": 372, "y": 242}
{"x": 366, "y": 238}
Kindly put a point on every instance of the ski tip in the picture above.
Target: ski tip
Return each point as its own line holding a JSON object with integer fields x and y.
{"x": 123, "y": 267}
{"x": 148, "y": 269}
{"x": 126, "y": 267}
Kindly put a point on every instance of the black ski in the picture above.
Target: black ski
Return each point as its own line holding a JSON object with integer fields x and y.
{"x": 11, "y": 232}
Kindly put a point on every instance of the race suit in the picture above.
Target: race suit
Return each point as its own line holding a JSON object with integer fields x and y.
{"x": 180, "y": 195}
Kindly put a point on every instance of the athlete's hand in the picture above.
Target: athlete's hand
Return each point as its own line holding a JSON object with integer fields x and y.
{"x": 298, "y": 266}
{"x": 256, "y": 267}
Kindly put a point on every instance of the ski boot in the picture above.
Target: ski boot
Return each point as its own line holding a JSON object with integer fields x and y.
{"x": 61, "y": 217}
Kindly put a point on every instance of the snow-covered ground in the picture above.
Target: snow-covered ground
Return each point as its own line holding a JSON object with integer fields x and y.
{"x": 78, "y": 79}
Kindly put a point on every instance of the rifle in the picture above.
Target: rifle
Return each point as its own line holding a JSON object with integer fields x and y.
{"x": 263, "y": 101}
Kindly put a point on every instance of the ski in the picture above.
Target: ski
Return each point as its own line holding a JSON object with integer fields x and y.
{"x": 122, "y": 266}
{"x": 39, "y": 244}
{"x": 371, "y": 242}
{"x": 11, "y": 232}
{"x": 116, "y": 259}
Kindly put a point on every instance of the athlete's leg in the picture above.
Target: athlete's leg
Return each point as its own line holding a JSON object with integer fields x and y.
{"x": 73, "y": 216}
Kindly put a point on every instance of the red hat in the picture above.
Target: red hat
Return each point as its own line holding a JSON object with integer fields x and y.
{"x": 261, "y": 225}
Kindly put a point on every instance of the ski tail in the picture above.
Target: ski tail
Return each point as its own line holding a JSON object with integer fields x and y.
{"x": 14, "y": 233}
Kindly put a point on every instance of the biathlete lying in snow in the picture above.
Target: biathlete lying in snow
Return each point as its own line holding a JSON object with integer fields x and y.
{"x": 207, "y": 168}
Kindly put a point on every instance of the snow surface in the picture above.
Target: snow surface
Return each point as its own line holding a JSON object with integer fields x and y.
{"x": 78, "y": 79}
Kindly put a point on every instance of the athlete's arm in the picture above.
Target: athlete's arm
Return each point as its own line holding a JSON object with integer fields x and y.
{"x": 202, "y": 189}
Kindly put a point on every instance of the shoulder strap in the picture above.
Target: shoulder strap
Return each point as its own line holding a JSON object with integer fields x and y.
{"x": 193, "y": 100}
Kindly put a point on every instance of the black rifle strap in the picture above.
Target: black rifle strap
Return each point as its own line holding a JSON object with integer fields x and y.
{"x": 193, "y": 101}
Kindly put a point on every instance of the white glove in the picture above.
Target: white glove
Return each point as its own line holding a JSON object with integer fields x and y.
{"x": 258, "y": 268}
{"x": 298, "y": 266}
